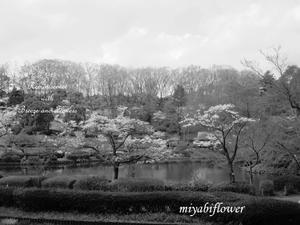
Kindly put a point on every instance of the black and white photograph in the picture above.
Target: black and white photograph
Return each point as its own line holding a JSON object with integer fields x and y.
{"x": 149, "y": 112}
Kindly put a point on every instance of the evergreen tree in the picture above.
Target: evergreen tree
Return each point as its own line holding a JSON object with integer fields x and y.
{"x": 179, "y": 96}
{"x": 15, "y": 97}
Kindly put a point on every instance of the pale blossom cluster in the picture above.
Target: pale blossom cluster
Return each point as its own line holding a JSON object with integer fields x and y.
{"x": 219, "y": 117}
{"x": 119, "y": 126}
{"x": 58, "y": 110}
{"x": 7, "y": 119}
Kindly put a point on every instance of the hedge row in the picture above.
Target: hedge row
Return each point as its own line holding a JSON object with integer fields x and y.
{"x": 96, "y": 183}
{"x": 84, "y": 182}
{"x": 59, "y": 182}
{"x": 257, "y": 211}
{"x": 22, "y": 181}
{"x": 238, "y": 187}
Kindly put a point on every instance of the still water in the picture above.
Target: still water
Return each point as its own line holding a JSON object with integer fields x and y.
{"x": 175, "y": 172}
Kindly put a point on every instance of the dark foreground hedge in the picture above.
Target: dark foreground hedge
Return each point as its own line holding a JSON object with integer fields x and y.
{"x": 87, "y": 182}
{"x": 22, "y": 181}
{"x": 258, "y": 210}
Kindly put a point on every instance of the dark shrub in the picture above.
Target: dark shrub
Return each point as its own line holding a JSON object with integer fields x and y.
{"x": 266, "y": 187}
{"x": 58, "y": 96}
{"x": 77, "y": 113}
{"x": 16, "y": 181}
{"x": 25, "y": 140}
{"x": 199, "y": 186}
{"x": 138, "y": 113}
{"x": 59, "y": 182}
{"x": 258, "y": 211}
{"x": 92, "y": 183}
{"x": 195, "y": 186}
{"x": 32, "y": 160}
{"x": 281, "y": 182}
{"x": 16, "y": 129}
{"x": 15, "y": 97}
{"x": 11, "y": 157}
{"x": 6, "y": 196}
{"x": 37, "y": 180}
{"x": 78, "y": 109}
{"x": 108, "y": 202}
{"x": 78, "y": 155}
{"x": 30, "y": 130}
{"x": 38, "y": 116}
{"x": 137, "y": 185}
{"x": 59, "y": 154}
{"x": 238, "y": 187}
{"x": 2, "y": 95}
{"x": 75, "y": 98}
{"x": 263, "y": 211}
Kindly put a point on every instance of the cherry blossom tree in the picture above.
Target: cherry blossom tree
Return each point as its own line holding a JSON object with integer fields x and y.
{"x": 7, "y": 118}
{"x": 226, "y": 125}
{"x": 117, "y": 131}
{"x": 153, "y": 147}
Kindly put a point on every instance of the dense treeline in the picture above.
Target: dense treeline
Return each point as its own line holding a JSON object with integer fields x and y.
{"x": 117, "y": 85}
{"x": 163, "y": 97}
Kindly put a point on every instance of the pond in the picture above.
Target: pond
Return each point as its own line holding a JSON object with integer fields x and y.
{"x": 175, "y": 172}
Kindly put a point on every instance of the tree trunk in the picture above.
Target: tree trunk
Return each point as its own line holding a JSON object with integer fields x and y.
{"x": 251, "y": 175}
{"x": 294, "y": 156}
{"x": 116, "y": 171}
{"x": 298, "y": 112}
{"x": 231, "y": 174}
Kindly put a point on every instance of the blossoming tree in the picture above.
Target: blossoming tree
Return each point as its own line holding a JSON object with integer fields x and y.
{"x": 226, "y": 125}
{"x": 6, "y": 120}
{"x": 121, "y": 130}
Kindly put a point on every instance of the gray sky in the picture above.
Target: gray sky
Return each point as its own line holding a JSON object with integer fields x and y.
{"x": 148, "y": 32}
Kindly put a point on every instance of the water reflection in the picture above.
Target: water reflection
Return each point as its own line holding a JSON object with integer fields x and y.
{"x": 179, "y": 172}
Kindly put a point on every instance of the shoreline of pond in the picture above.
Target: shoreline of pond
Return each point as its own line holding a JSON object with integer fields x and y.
{"x": 92, "y": 163}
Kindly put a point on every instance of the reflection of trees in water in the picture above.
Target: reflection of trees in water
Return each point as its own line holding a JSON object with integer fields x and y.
{"x": 34, "y": 169}
{"x": 131, "y": 170}
{"x": 210, "y": 175}
{"x": 200, "y": 174}
{"x": 179, "y": 172}
{"x": 116, "y": 170}
{"x": 170, "y": 172}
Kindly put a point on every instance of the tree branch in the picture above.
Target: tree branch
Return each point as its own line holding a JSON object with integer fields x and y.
{"x": 290, "y": 153}
{"x": 123, "y": 141}
{"x": 237, "y": 142}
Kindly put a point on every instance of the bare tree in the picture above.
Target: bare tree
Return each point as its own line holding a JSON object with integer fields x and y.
{"x": 287, "y": 84}
{"x": 257, "y": 138}
{"x": 288, "y": 138}
{"x": 91, "y": 70}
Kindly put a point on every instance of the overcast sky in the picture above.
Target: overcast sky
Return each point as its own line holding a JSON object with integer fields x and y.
{"x": 148, "y": 32}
